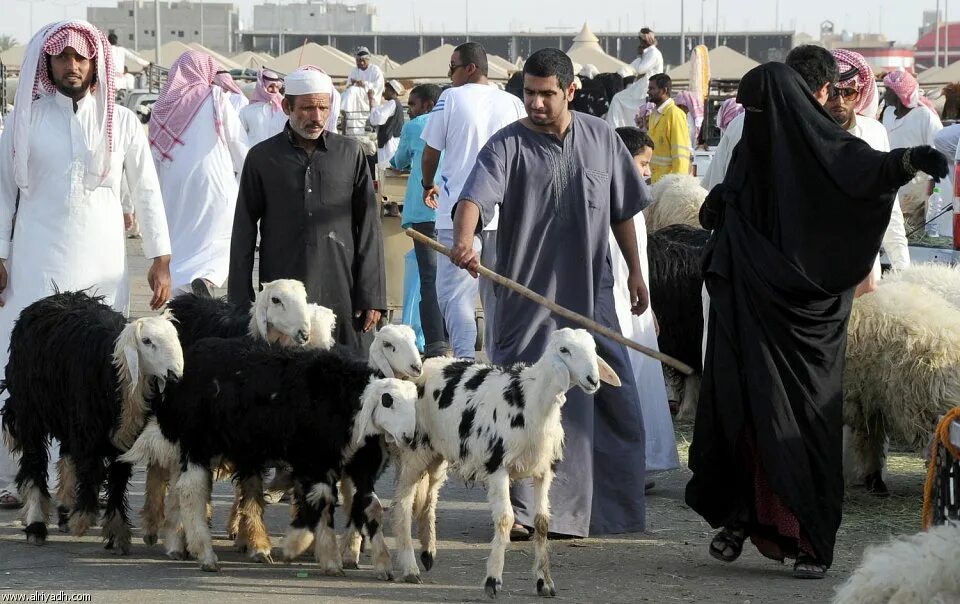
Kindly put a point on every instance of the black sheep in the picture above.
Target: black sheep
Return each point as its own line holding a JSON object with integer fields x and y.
{"x": 253, "y": 404}
{"x": 79, "y": 373}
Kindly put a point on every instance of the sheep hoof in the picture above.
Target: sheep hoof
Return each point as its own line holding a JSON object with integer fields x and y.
{"x": 427, "y": 559}
{"x": 350, "y": 565}
{"x": 108, "y": 544}
{"x": 262, "y": 558}
{"x": 36, "y": 533}
{"x": 150, "y": 539}
{"x": 875, "y": 485}
{"x": 63, "y": 519}
{"x": 547, "y": 590}
{"x": 177, "y": 555}
{"x": 210, "y": 567}
{"x": 493, "y": 587}
{"x": 413, "y": 578}
{"x": 334, "y": 572}
{"x": 384, "y": 574}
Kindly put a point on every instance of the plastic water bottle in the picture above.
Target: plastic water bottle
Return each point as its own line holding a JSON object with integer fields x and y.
{"x": 934, "y": 207}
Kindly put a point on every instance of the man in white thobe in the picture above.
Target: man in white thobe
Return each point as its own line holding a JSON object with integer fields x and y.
{"x": 364, "y": 88}
{"x": 660, "y": 442}
{"x": 264, "y": 116}
{"x": 234, "y": 94}
{"x": 626, "y": 103}
{"x": 64, "y": 154}
{"x": 911, "y": 120}
{"x": 388, "y": 119}
{"x": 198, "y": 147}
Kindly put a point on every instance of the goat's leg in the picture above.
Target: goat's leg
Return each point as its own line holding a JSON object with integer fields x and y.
{"x": 32, "y": 484}
{"x": 303, "y": 522}
{"x": 173, "y": 538}
{"x": 351, "y": 540}
{"x": 154, "y": 493}
{"x": 323, "y": 496}
{"x": 116, "y": 524}
{"x": 234, "y": 521}
{"x": 498, "y": 495}
{"x": 869, "y": 452}
{"x": 253, "y": 530}
{"x": 691, "y": 396}
{"x": 66, "y": 489}
{"x": 194, "y": 488}
{"x": 427, "y": 514}
{"x": 373, "y": 526}
{"x": 90, "y": 473}
{"x": 412, "y": 470}
{"x": 541, "y": 526}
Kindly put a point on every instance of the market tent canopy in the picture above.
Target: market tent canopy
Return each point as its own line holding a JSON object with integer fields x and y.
{"x": 169, "y": 53}
{"x": 941, "y": 75}
{"x": 725, "y": 64}
{"x": 225, "y": 62}
{"x": 435, "y": 65}
{"x": 250, "y": 60}
{"x": 586, "y": 50}
{"x": 313, "y": 54}
{"x": 502, "y": 63}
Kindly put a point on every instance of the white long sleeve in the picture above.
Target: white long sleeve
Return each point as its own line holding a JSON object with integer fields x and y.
{"x": 140, "y": 174}
{"x": 8, "y": 191}
{"x": 380, "y": 114}
{"x": 895, "y": 239}
{"x": 235, "y": 135}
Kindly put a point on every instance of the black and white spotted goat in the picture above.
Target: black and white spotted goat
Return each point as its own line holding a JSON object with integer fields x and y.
{"x": 492, "y": 424}
{"x": 79, "y": 373}
{"x": 321, "y": 412}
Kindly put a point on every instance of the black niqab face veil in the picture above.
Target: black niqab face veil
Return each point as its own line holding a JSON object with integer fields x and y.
{"x": 819, "y": 194}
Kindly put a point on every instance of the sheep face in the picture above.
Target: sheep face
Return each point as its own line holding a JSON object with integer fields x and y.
{"x": 389, "y": 408}
{"x": 281, "y": 313}
{"x": 575, "y": 352}
{"x": 322, "y": 322}
{"x": 150, "y": 348}
{"x": 394, "y": 352}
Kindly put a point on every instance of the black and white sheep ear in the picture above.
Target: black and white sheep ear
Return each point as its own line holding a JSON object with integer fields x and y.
{"x": 378, "y": 359}
{"x": 607, "y": 374}
{"x": 386, "y": 399}
{"x": 131, "y": 355}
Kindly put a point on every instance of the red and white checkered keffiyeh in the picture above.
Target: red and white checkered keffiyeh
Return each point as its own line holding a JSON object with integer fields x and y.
{"x": 864, "y": 80}
{"x": 90, "y": 43}
{"x": 729, "y": 109}
{"x": 907, "y": 89}
{"x": 188, "y": 85}
{"x": 260, "y": 94}
{"x": 224, "y": 80}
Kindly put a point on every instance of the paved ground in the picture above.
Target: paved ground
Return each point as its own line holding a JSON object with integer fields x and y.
{"x": 667, "y": 563}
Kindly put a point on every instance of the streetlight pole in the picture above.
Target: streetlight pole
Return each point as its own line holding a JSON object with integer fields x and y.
{"x": 201, "y": 22}
{"x": 702, "y": 29}
{"x": 683, "y": 37}
{"x": 946, "y": 32}
{"x": 136, "y": 26}
{"x": 156, "y": 11}
{"x": 936, "y": 37}
{"x": 716, "y": 40}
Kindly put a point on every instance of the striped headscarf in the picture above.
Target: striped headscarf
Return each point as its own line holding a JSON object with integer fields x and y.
{"x": 35, "y": 81}
{"x": 224, "y": 80}
{"x": 907, "y": 89}
{"x": 729, "y": 109}
{"x": 188, "y": 85}
{"x": 863, "y": 80}
{"x": 260, "y": 93}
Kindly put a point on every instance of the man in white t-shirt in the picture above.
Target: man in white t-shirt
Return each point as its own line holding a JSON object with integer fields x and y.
{"x": 461, "y": 122}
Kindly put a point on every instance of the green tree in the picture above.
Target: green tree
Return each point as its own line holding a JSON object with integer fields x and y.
{"x": 7, "y": 42}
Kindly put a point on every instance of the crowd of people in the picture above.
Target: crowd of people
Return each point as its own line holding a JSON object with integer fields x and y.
{"x": 546, "y": 195}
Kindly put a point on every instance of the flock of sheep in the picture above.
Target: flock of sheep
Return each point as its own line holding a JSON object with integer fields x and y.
{"x": 206, "y": 390}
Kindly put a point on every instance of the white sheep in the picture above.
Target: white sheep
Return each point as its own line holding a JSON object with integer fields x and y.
{"x": 493, "y": 425}
{"x": 902, "y": 371}
{"x": 676, "y": 200}
{"x": 919, "y": 569}
{"x": 940, "y": 278}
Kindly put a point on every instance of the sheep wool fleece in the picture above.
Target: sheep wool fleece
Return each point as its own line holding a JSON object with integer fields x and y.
{"x": 557, "y": 201}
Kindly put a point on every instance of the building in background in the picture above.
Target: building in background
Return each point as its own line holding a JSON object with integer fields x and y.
{"x": 315, "y": 16}
{"x": 213, "y": 24}
{"x": 882, "y": 54}
{"x": 949, "y": 46}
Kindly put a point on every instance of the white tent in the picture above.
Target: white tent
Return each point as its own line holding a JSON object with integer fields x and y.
{"x": 225, "y": 62}
{"x": 435, "y": 65}
{"x": 502, "y": 63}
{"x": 725, "y": 64}
{"x": 250, "y": 60}
{"x": 169, "y": 53}
{"x": 313, "y": 54}
{"x": 941, "y": 75}
{"x": 13, "y": 56}
{"x": 586, "y": 50}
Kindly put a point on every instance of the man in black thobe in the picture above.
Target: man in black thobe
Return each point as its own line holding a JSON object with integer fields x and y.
{"x": 311, "y": 192}
{"x": 798, "y": 222}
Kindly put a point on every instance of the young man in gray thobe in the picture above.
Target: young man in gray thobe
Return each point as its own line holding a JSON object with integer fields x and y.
{"x": 562, "y": 179}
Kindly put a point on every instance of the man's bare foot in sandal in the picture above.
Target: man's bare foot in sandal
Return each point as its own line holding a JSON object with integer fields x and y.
{"x": 727, "y": 545}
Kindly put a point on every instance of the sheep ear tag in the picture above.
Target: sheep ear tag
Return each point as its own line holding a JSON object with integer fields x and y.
{"x": 607, "y": 374}
{"x": 133, "y": 363}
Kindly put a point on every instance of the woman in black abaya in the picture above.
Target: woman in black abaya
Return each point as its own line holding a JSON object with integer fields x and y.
{"x": 797, "y": 224}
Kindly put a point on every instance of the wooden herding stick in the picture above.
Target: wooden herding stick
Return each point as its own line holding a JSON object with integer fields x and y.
{"x": 557, "y": 309}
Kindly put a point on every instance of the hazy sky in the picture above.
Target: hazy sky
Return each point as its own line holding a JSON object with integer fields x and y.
{"x": 898, "y": 19}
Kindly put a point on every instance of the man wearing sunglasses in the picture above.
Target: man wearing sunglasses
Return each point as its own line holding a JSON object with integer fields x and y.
{"x": 464, "y": 118}
{"x": 853, "y": 103}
